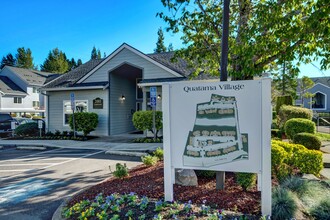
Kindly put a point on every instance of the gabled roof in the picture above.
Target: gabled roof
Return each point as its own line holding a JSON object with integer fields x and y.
{"x": 32, "y": 77}
{"x": 70, "y": 78}
{"x": 8, "y": 87}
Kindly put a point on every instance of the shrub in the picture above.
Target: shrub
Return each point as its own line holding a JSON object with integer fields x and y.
{"x": 298, "y": 125}
{"x": 321, "y": 211}
{"x": 27, "y": 129}
{"x": 276, "y": 133}
{"x": 149, "y": 160}
{"x": 121, "y": 171}
{"x": 246, "y": 180}
{"x": 309, "y": 161}
{"x": 57, "y": 133}
{"x": 287, "y": 112}
{"x": 283, "y": 100}
{"x": 205, "y": 173}
{"x": 143, "y": 120}
{"x": 84, "y": 121}
{"x": 310, "y": 141}
{"x": 283, "y": 204}
{"x": 274, "y": 114}
{"x": 159, "y": 153}
{"x": 295, "y": 184}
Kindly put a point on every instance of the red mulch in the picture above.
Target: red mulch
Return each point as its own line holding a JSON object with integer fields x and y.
{"x": 149, "y": 181}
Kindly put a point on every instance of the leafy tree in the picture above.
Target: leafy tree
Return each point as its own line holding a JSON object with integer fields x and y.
{"x": 305, "y": 84}
{"x": 286, "y": 80}
{"x": 8, "y": 60}
{"x": 170, "y": 47}
{"x": 84, "y": 121}
{"x": 56, "y": 62}
{"x": 160, "y": 47}
{"x": 261, "y": 33}
{"x": 24, "y": 58}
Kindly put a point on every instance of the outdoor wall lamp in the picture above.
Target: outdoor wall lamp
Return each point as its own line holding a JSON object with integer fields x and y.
{"x": 122, "y": 98}
{"x": 159, "y": 96}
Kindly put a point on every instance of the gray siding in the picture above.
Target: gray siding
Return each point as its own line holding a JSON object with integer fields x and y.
{"x": 121, "y": 111}
{"x": 150, "y": 70}
{"x": 55, "y": 115}
{"x": 323, "y": 89}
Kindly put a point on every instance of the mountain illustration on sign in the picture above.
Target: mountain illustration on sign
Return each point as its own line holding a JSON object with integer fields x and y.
{"x": 216, "y": 138}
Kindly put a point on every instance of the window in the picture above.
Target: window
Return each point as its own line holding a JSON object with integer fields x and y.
{"x": 81, "y": 106}
{"x": 18, "y": 100}
{"x": 36, "y": 104}
{"x": 319, "y": 101}
{"x": 35, "y": 90}
{"x": 139, "y": 92}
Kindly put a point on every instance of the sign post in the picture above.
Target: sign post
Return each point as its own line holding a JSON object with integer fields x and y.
{"x": 73, "y": 106}
{"x": 13, "y": 127}
{"x": 153, "y": 103}
{"x": 40, "y": 126}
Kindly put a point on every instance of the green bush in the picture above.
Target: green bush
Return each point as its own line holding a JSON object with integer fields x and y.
{"x": 274, "y": 115}
{"x": 287, "y": 112}
{"x": 284, "y": 205}
{"x": 295, "y": 184}
{"x": 121, "y": 171}
{"x": 276, "y": 133}
{"x": 310, "y": 141}
{"x": 322, "y": 211}
{"x": 149, "y": 160}
{"x": 298, "y": 125}
{"x": 309, "y": 161}
{"x": 159, "y": 153}
{"x": 246, "y": 180}
{"x": 283, "y": 100}
{"x": 205, "y": 173}
{"x": 143, "y": 120}
{"x": 28, "y": 129}
{"x": 84, "y": 121}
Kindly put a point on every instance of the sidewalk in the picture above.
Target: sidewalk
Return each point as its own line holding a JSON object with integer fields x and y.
{"x": 326, "y": 159}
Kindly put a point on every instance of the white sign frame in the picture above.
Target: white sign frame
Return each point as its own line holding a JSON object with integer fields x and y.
{"x": 264, "y": 170}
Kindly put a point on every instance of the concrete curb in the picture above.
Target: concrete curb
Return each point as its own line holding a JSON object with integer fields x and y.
{"x": 26, "y": 147}
{"x": 58, "y": 213}
{"x": 126, "y": 153}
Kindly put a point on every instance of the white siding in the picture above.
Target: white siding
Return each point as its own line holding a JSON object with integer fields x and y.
{"x": 150, "y": 70}
{"x": 55, "y": 107}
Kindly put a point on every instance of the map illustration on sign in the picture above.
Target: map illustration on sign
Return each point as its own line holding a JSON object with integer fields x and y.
{"x": 216, "y": 138}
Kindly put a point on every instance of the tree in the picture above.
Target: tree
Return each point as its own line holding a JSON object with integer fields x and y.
{"x": 98, "y": 54}
{"x": 170, "y": 47}
{"x": 79, "y": 62}
{"x": 84, "y": 121}
{"x": 261, "y": 33}
{"x": 72, "y": 64}
{"x": 286, "y": 80}
{"x": 24, "y": 58}
{"x": 56, "y": 62}
{"x": 305, "y": 84}
{"x": 160, "y": 47}
{"x": 8, "y": 60}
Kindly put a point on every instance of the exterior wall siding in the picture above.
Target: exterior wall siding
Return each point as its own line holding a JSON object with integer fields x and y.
{"x": 150, "y": 70}
{"x": 121, "y": 111}
{"x": 323, "y": 89}
{"x": 55, "y": 108}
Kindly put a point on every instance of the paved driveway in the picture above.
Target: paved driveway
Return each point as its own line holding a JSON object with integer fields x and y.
{"x": 34, "y": 183}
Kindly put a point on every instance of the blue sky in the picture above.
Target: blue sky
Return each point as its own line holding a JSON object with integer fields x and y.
{"x": 76, "y": 26}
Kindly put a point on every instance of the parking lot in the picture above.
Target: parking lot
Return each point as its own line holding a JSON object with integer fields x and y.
{"x": 34, "y": 183}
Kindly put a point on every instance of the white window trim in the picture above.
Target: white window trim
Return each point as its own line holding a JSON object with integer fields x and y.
{"x": 17, "y": 97}
{"x": 63, "y": 114}
{"x": 325, "y": 101}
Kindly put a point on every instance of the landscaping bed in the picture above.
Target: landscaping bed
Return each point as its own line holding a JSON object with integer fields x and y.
{"x": 149, "y": 182}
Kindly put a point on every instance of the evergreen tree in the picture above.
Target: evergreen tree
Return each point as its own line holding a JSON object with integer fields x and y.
{"x": 79, "y": 62}
{"x": 8, "y": 60}
{"x": 56, "y": 62}
{"x": 104, "y": 55}
{"x": 99, "y": 54}
{"x": 24, "y": 58}
{"x": 72, "y": 64}
{"x": 94, "y": 53}
{"x": 160, "y": 47}
{"x": 170, "y": 47}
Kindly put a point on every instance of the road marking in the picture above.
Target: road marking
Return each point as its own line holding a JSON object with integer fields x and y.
{"x": 28, "y": 164}
{"x": 65, "y": 154}
{"x": 3, "y": 161}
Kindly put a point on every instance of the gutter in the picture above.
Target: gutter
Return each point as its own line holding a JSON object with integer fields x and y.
{"x": 74, "y": 88}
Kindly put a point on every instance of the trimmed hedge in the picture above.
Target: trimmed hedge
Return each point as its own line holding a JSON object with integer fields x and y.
{"x": 299, "y": 125}
{"x": 287, "y": 112}
{"x": 246, "y": 180}
{"x": 286, "y": 157}
{"x": 283, "y": 100}
{"x": 84, "y": 121}
{"x": 27, "y": 129}
{"x": 142, "y": 120}
{"x": 310, "y": 141}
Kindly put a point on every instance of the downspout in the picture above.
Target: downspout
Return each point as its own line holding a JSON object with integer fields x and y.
{"x": 47, "y": 110}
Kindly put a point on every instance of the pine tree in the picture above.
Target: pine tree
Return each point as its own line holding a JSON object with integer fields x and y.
{"x": 79, "y": 62}
{"x": 170, "y": 47}
{"x": 94, "y": 53}
{"x": 160, "y": 47}
{"x": 104, "y": 55}
{"x": 8, "y": 60}
{"x": 99, "y": 54}
{"x": 72, "y": 64}
{"x": 56, "y": 62}
{"x": 24, "y": 58}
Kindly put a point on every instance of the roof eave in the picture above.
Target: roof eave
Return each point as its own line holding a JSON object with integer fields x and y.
{"x": 73, "y": 88}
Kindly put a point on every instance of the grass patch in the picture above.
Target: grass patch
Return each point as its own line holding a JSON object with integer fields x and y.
{"x": 323, "y": 136}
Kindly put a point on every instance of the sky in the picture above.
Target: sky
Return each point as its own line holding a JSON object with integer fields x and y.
{"x": 75, "y": 26}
